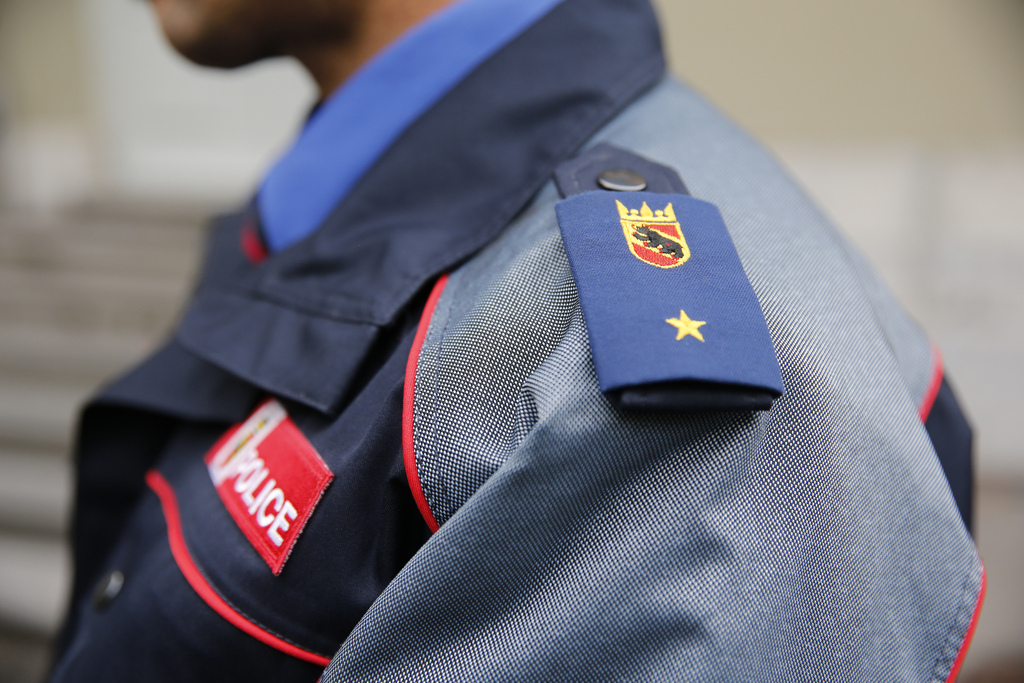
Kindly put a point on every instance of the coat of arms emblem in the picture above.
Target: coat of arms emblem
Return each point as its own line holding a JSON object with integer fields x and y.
{"x": 654, "y": 237}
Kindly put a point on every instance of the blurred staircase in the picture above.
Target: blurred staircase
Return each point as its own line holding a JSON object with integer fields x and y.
{"x": 82, "y": 296}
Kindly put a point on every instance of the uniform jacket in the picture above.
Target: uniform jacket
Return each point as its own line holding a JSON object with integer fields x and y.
{"x": 481, "y": 510}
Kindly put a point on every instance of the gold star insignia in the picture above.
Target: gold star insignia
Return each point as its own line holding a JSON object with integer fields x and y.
{"x": 685, "y": 326}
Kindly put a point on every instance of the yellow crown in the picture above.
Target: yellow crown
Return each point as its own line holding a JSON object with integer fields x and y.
{"x": 646, "y": 215}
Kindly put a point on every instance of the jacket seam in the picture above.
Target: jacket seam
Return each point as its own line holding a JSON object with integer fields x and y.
{"x": 959, "y": 627}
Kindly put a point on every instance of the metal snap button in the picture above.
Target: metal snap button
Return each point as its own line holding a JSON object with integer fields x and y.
{"x": 107, "y": 590}
{"x": 621, "y": 180}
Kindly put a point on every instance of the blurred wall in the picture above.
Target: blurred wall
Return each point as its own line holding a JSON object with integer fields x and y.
{"x": 170, "y": 129}
{"x": 41, "y": 47}
{"x": 934, "y": 73}
{"x": 941, "y": 73}
{"x": 44, "y": 102}
{"x": 93, "y": 103}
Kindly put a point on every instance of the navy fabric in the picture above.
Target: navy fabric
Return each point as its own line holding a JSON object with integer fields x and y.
{"x": 720, "y": 336}
{"x": 190, "y": 388}
{"x": 114, "y": 448}
{"x": 685, "y": 396}
{"x": 158, "y": 629}
{"x": 951, "y": 437}
{"x": 326, "y": 327}
{"x": 353, "y": 127}
{"x": 365, "y": 528}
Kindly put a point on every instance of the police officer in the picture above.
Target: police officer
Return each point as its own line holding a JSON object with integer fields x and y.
{"x": 522, "y": 364}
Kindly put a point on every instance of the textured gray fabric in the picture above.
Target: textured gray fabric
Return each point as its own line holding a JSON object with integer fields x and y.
{"x": 910, "y": 345}
{"x": 816, "y": 541}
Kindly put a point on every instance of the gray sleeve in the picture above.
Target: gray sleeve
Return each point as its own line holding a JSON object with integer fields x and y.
{"x": 815, "y": 541}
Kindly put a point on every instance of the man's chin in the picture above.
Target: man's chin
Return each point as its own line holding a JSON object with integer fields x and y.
{"x": 207, "y": 43}
{"x": 217, "y": 56}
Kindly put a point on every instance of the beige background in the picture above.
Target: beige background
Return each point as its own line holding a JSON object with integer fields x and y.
{"x": 903, "y": 118}
{"x": 942, "y": 73}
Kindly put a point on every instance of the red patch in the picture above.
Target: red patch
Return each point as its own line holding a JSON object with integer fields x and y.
{"x": 654, "y": 257}
{"x": 270, "y": 478}
{"x": 252, "y": 245}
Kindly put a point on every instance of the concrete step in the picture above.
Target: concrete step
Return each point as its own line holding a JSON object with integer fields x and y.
{"x": 92, "y": 301}
{"x": 35, "y": 576}
{"x": 140, "y": 221}
{"x": 37, "y": 415}
{"x": 51, "y": 251}
{"x": 35, "y": 492}
{"x": 59, "y": 352}
{"x": 148, "y": 211}
{"x": 45, "y": 238}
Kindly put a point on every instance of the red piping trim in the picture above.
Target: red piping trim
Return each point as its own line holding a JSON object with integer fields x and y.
{"x": 252, "y": 245}
{"x": 408, "y": 445}
{"x": 970, "y": 630}
{"x": 933, "y": 385}
{"x": 195, "y": 578}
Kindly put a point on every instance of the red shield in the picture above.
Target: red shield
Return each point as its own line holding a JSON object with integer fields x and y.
{"x": 654, "y": 237}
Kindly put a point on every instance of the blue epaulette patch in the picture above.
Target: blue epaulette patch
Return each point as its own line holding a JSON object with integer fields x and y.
{"x": 668, "y": 307}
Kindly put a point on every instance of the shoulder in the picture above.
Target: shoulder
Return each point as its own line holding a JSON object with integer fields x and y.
{"x": 507, "y": 311}
{"x": 788, "y": 520}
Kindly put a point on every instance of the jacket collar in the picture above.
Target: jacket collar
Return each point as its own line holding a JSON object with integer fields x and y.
{"x": 349, "y": 130}
{"x": 300, "y": 323}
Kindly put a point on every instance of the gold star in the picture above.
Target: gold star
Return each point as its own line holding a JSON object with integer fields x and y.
{"x": 686, "y": 326}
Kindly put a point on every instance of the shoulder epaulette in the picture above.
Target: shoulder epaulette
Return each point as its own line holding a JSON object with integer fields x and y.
{"x": 672, "y": 319}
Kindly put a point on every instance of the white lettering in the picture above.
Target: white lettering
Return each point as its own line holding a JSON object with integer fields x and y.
{"x": 239, "y": 448}
{"x": 254, "y": 470}
{"x": 267, "y": 488}
{"x": 250, "y": 488}
{"x": 277, "y": 496}
{"x": 282, "y": 522}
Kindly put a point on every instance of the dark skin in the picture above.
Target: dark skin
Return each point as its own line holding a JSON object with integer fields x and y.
{"x": 330, "y": 38}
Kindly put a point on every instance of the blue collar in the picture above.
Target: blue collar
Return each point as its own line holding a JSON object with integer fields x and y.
{"x": 354, "y": 126}
{"x": 457, "y": 176}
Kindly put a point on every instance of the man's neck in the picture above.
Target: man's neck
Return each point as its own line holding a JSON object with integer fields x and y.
{"x": 332, "y": 62}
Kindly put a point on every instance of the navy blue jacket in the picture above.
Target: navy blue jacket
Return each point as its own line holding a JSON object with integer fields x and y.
{"x": 326, "y": 328}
